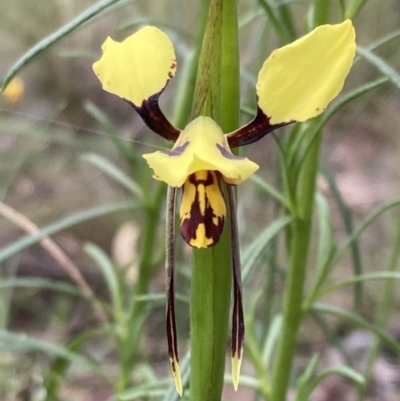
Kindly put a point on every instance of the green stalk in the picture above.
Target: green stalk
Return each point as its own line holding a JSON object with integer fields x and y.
{"x": 293, "y": 293}
{"x": 321, "y": 12}
{"x": 217, "y": 96}
{"x": 131, "y": 335}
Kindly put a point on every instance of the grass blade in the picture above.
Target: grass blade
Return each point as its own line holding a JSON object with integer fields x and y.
{"x": 359, "y": 322}
{"x": 16, "y": 342}
{"x": 114, "y": 172}
{"x": 56, "y": 37}
{"x": 60, "y": 225}
{"x": 380, "y": 64}
{"x": 109, "y": 273}
{"x": 255, "y": 249}
{"x": 348, "y": 225}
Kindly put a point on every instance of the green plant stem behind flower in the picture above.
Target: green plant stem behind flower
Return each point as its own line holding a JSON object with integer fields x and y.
{"x": 218, "y": 75}
{"x": 298, "y": 250}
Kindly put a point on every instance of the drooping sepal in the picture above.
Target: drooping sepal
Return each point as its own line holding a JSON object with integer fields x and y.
{"x": 238, "y": 329}
{"x": 170, "y": 290}
{"x": 237, "y": 333}
{"x": 172, "y": 345}
{"x": 202, "y": 209}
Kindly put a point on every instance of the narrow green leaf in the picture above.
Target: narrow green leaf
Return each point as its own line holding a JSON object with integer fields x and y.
{"x": 147, "y": 390}
{"x": 102, "y": 119}
{"x": 14, "y": 342}
{"x": 270, "y": 340}
{"x": 332, "y": 110}
{"x": 63, "y": 224}
{"x": 55, "y": 374}
{"x": 257, "y": 247}
{"x": 114, "y": 172}
{"x": 303, "y": 382}
{"x": 326, "y": 243}
{"x": 40, "y": 283}
{"x": 356, "y": 279}
{"x": 56, "y": 37}
{"x": 359, "y": 322}
{"x": 354, "y": 8}
{"x": 380, "y": 64}
{"x": 286, "y": 18}
{"x": 280, "y": 29}
{"x": 109, "y": 274}
{"x": 326, "y": 249}
{"x": 365, "y": 223}
{"x": 271, "y": 191}
{"x": 384, "y": 40}
{"x": 341, "y": 370}
{"x": 345, "y": 213}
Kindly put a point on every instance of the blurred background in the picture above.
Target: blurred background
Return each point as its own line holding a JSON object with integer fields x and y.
{"x": 53, "y": 143}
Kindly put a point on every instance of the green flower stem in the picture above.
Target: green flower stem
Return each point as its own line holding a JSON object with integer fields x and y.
{"x": 209, "y": 317}
{"x": 293, "y": 294}
{"x": 217, "y": 96}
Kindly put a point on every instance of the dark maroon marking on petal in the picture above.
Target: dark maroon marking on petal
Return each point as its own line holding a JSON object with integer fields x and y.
{"x": 254, "y": 130}
{"x": 176, "y": 151}
{"x": 189, "y": 225}
{"x": 173, "y": 65}
{"x": 228, "y": 155}
{"x": 154, "y": 118}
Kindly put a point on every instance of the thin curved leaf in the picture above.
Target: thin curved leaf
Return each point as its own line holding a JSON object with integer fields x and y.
{"x": 56, "y": 37}
{"x": 255, "y": 249}
{"x": 15, "y": 342}
{"x": 356, "y": 279}
{"x": 366, "y": 222}
{"x": 62, "y": 224}
{"x": 41, "y": 283}
{"x": 110, "y": 276}
{"x": 380, "y": 64}
{"x": 114, "y": 172}
{"x": 359, "y": 322}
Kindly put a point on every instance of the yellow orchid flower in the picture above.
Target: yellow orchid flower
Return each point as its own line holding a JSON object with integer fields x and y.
{"x": 296, "y": 83}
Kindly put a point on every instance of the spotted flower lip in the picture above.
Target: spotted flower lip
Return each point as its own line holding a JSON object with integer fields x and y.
{"x": 200, "y": 146}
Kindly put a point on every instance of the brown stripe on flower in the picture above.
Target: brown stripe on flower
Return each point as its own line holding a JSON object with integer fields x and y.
{"x": 178, "y": 150}
{"x": 154, "y": 118}
{"x": 227, "y": 154}
{"x": 201, "y": 219}
{"x": 254, "y": 130}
